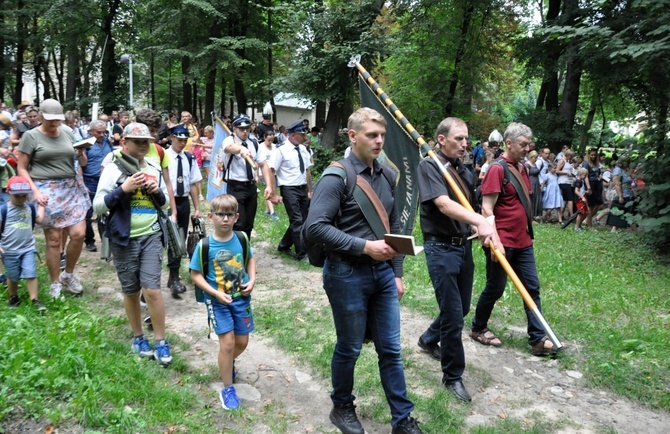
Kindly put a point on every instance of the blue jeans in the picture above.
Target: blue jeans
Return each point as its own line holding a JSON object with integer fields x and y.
{"x": 360, "y": 296}
{"x": 451, "y": 270}
{"x": 523, "y": 264}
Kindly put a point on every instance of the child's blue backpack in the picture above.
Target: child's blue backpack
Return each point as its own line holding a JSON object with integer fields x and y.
{"x": 204, "y": 264}
{"x": 3, "y": 214}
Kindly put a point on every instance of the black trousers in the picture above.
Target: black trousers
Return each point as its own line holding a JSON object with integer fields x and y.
{"x": 296, "y": 203}
{"x": 183, "y": 218}
{"x": 247, "y": 200}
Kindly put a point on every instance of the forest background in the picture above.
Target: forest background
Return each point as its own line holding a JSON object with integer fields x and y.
{"x": 567, "y": 68}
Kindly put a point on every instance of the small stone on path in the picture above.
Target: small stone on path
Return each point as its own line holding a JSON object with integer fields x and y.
{"x": 106, "y": 290}
{"x": 574, "y": 374}
{"x": 302, "y": 377}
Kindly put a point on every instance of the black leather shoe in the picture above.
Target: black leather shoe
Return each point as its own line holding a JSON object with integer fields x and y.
{"x": 91, "y": 247}
{"x": 177, "y": 288}
{"x": 432, "y": 349}
{"x": 458, "y": 390}
{"x": 409, "y": 425}
{"x": 345, "y": 419}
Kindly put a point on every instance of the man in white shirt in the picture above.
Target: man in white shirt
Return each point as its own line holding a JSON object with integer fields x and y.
{"x": 184, "y": 175}
{"x": 291, "y": 163}
{"x": 240, "y": 176}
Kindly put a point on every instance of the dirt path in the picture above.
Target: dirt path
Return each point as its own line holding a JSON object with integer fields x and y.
{"x": 505, "y": 383}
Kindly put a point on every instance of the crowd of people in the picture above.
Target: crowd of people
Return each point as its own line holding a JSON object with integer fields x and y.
{"x": 558, "y": 193}
{"x": 140, "y": 172}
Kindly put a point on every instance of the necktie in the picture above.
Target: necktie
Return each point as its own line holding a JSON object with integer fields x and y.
{"x": 250, "y": 172}
{"x": 180, "y": 177}
{"x": 302, "y": 163}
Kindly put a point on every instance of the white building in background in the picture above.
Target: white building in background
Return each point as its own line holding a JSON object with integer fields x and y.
{"x": 290, "y": 109}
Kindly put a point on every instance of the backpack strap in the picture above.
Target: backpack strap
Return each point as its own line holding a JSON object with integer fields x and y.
{"x": 161, "y": 154}
{"x": 515, "y": 177}
{"x": 3, "y": 214}
{"x": 244, "y": 241}
{"x": 367, "y": 200}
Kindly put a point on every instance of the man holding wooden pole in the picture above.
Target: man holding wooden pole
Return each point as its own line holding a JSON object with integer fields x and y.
{"x": 446, "y": 227}
{"x": 505, "y": 192}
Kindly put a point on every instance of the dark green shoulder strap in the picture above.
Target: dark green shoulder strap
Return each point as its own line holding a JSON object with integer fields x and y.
{"x": 244, "y": 241}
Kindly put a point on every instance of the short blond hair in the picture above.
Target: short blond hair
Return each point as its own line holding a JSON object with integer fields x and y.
{"x": 224, "y": 203}
{"x": 582, "y": 171}
{"x": 362, "y": 115}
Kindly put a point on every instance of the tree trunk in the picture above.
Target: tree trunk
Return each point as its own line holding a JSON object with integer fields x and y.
{"x": 73, "y": 72}
{"x": 210, "y": 89}
{"x": 240, "y": 95}
{"x": 550, "y": 83}
{"x": 187, "y": 103}
{"x": 320, "y": 114}
{"x": 573, "y": 75}
{"x": 588, "y": 122}
{"x": 453, "y": 82}
{"x": 222, "y": 101}
{"x": 568, "y": 107}
{"x": 110, "y": 65}
{"x": 194, "y": 109}
{"x": 152, "y": 72}
{"x": 20, "y": 53}
{"x": 333, "y": 122}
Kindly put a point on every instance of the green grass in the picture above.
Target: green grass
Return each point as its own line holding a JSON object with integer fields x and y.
{"x": 73, "y": 365}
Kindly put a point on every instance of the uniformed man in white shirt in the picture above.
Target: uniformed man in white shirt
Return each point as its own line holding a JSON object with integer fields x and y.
{"x": 184, "y": 175}
{"x": 291, "y": 163}
{"x": 239, "y": 174}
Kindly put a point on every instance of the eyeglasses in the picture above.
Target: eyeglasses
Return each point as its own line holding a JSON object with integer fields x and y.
{"x": 223, "y": 215}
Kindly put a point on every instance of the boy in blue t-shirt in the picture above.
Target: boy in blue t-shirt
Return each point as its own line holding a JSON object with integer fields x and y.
{"x": 18, "y": 243}
{"x": 227, "y": 287}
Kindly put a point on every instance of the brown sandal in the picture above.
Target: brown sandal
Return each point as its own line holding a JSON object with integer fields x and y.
{"x": 541, "y": 349}
{"x": 485, "y": 337}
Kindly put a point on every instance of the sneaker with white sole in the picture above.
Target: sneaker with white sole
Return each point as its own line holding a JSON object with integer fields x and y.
{"x": 55, "y": 289}
{"x": 142, "y": 347}
{"x": 162, "y": 353}
{"x": 71, "y": 283}
{"x": 229, "y": 398}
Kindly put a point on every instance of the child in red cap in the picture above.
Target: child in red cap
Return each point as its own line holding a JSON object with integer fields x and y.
{"x": 17, "y": 243}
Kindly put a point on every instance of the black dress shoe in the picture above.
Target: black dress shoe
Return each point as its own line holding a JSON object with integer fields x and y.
{"x": 432, "y": 349}
{"x": 458, "y": 390}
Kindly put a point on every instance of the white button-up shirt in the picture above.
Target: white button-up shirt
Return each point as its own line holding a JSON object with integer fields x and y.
{"x": 191, "y": 174}
{"x": 238, "y": 167}
{"x": 286, "y": 164}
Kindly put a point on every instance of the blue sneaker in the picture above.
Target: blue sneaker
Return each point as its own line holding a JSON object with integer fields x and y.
{"x": 162, "y": 353}
{"x": 229, "y": 399}
{"x": 142, "y": 347}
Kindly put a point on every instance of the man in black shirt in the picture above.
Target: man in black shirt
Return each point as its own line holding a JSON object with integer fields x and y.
{"x": 362, "y": 278}
{"x": 446, "y": 226}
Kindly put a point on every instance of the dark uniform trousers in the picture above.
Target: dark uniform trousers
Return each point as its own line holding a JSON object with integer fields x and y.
{"x": 247, "y": 200}
{"x": 296, "y": 203}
